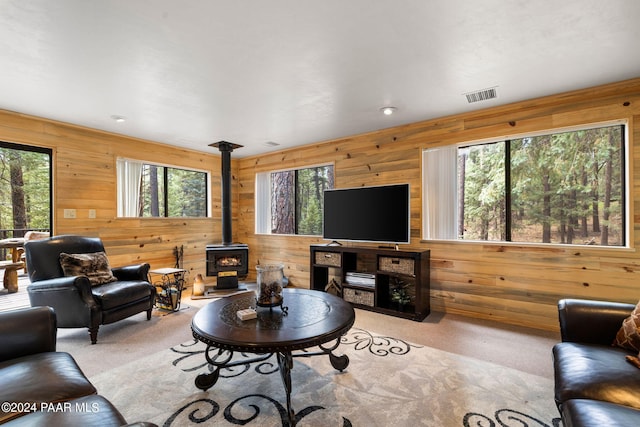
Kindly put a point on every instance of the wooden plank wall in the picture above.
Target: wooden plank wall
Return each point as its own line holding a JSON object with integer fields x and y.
{"x": 84, "y": 163}
{"x": 517, "y": 284}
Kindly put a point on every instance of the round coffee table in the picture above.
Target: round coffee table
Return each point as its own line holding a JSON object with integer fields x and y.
{"x": 312, "y": 319}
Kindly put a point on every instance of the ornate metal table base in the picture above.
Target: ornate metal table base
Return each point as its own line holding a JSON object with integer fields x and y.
{"x": 222, "y": 359}
{"x": 313, "y": 320}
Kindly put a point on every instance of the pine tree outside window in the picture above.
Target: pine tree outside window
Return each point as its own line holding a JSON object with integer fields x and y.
{"x": 25, "y": 189}
{"x": 291, "y": 201}
{"x": 562, "y": 187}
{"x": 149, "y": 190}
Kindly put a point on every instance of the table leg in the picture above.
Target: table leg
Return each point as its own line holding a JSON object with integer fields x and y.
{"x": 338, "y": 362}
{"x": 285, "y": 363}
{"x": 218, "y": 361}
{"x": 10, "y": 280}
{"x": 221, "y": 360}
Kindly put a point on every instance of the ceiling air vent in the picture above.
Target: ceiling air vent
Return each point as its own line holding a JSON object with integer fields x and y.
{"x": 481, "y": 95}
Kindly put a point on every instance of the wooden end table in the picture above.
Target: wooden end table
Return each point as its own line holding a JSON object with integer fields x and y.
{"x": 313, "y": 318}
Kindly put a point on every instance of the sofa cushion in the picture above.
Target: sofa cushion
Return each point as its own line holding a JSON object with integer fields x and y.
{"x": 41, "y": 377}
{"x": 86, "y": 411}
{"x": 593, "y": 413}
{"x": 592, "y": 371}
{"x": 94, "y": 265}
{"x": 122, "y": 292}
{"x": 628, "y": 335}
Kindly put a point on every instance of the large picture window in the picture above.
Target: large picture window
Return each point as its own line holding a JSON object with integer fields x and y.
{"x": 25, "y": 189}
{"x": 148, "y": 190}
{"x": 291, "y": 201}
{"x": 566, "y": 187}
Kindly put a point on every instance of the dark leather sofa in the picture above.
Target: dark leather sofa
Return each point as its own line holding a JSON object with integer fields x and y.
{"x": 40, "y": 386}
{"x": 594, "y": 383}
{"x": 77, "y": 303}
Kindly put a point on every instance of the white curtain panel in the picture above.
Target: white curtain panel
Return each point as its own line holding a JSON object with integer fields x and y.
{"x": 129, "y": 176}
{"x": 440, "y": 193}
{"x": 263, "y": 203}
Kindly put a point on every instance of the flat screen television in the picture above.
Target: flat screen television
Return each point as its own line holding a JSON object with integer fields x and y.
{"x": 368, "y": 214}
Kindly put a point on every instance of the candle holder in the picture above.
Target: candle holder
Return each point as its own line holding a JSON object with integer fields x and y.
{"x": 270, "y": 281}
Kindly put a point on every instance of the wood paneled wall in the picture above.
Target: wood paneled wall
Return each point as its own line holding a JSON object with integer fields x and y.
{"x": 518, "y": 284}
{"x": 84, "y": 166}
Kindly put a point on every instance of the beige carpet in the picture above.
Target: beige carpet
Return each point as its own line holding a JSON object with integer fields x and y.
{"x": 524, "y": 349}
{"x": 388, "y": 382}
{"x": 136, "y": 342}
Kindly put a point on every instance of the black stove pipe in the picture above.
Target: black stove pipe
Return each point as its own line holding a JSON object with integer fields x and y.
{"x": 225, "y": 151}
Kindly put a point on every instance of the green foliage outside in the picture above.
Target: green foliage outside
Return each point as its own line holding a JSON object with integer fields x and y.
{"x": 297, "y": 200}
{"x": 311, "y": 184}
{"x": 25, "y": 179}
{"x": 186, "y": 192}
{"x": 565, "y": 188}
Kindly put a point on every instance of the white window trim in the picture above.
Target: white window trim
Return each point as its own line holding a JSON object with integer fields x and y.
{"x": 431, "y": 218}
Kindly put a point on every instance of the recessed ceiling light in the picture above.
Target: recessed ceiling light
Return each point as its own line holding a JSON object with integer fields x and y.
{"x": 118, "y": 118}
{"x": 387, "y": 111}
{"x": 271, "y": 144}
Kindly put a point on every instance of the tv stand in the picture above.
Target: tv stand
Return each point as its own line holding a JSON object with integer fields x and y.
{"x": 391, "y": 248}
{"x": 397, "y": 284}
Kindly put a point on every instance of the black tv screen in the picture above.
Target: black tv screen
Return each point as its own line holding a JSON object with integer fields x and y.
{"x": 368, "y": 214}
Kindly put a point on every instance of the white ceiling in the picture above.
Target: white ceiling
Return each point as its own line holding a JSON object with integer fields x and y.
{"x": 192, "y": 72}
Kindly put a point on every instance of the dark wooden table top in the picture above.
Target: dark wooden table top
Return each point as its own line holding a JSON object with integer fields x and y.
{"x": 313, "y": 318}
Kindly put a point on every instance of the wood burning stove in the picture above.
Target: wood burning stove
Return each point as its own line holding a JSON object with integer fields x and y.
{"x": 222, "y": 258}
{"x": 228, "y": 261}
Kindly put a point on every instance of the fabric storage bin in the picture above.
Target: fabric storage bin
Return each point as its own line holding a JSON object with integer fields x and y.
{"x": 396, "y": 265}
{"x": 358, "y": 296}
{"x": 328, "y": 258}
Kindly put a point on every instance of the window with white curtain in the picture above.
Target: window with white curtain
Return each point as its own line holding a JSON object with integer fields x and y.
{"x": 151, "y": 190}
{"x": 568, "y": 186}
{"x": 291, "y": 201}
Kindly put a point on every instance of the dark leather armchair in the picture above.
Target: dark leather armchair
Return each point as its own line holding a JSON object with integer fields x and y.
{"x": 594, "y": 383}
{"x": 33, "y": 375}
{"x": 77, "y": 303}
{"x": 31, "y": 371}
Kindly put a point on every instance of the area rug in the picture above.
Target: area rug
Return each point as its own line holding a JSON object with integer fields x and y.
{"x": 389, "y": 382}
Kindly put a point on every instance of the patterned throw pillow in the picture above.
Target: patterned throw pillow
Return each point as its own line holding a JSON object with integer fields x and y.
{"x": 629, "y": 334}
{"x": 93, "y": 265}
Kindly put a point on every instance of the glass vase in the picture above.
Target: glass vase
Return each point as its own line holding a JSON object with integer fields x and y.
{"x": 270, "y": 278}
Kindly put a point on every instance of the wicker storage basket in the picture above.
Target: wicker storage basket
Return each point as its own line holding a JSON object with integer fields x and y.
{"x": 397, "y": 265}
{"x": 328, "y": 258}
{"x": 358, "y": 296}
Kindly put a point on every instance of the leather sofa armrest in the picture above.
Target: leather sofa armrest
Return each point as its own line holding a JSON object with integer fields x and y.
{"x": 27, "y": 331}
{"x": 591, "y": 322}
{"x": 132, "y": 272}
{"x": 73, "y": 285}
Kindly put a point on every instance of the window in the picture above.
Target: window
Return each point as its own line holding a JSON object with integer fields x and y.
{"x": 148, "y": 190}
{"x": 25, "y": 189}
{"x": 291, "y": 201}
{"x": 562, "y": 188}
